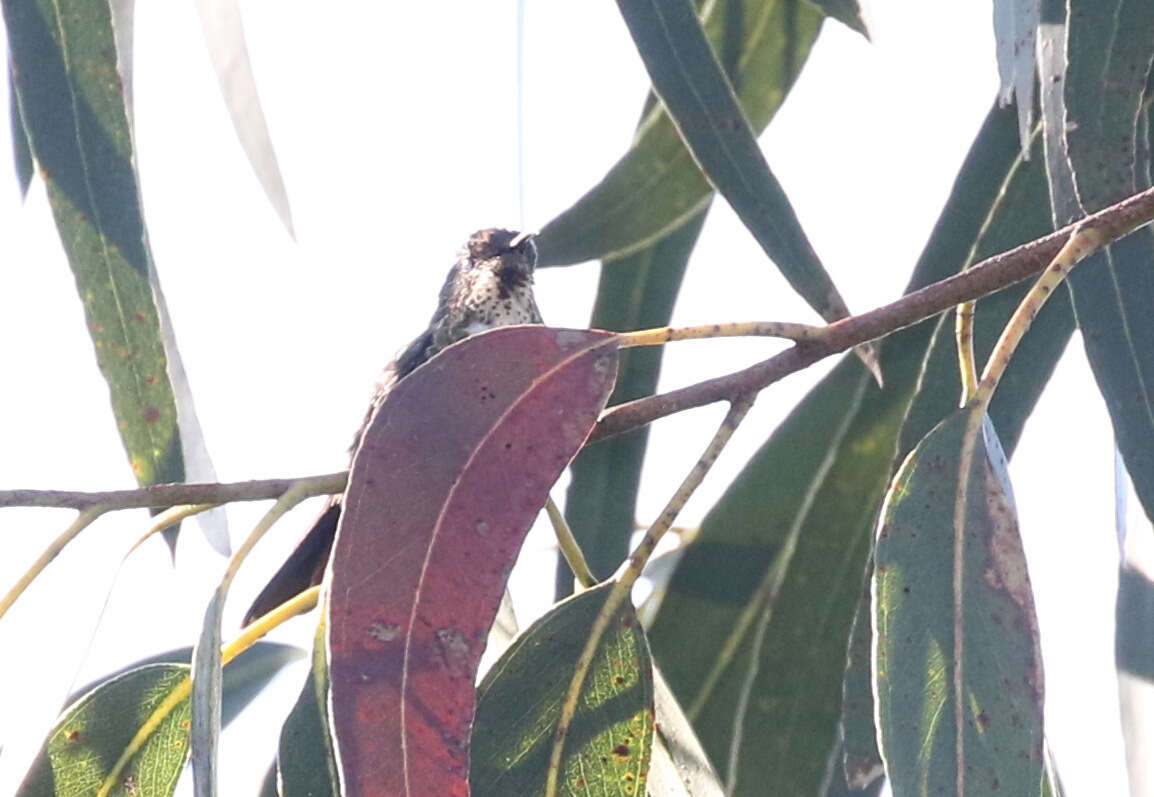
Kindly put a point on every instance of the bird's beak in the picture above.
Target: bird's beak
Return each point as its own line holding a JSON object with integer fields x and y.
{"x": 521, "y": 238}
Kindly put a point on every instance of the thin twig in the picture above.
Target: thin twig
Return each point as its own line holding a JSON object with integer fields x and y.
{"x": 1084, "y": 241}
{"x": 992, "y": 274}
{"x": 734, "y": 329}
{"x": 628, "y": 576}
{"x": 302, "y": 603}
{"x": 82, "y": 521}
{"x": 167, "y": 495}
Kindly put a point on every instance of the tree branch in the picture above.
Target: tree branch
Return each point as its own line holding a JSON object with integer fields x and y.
{"x": 166, "y": 495}
{"x": 992, "y": 274}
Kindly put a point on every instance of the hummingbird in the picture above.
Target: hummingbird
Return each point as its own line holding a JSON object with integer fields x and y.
{"x": 490, "y": 285}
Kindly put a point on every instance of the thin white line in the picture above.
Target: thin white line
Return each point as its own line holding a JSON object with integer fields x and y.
{"x": 520, "y": 80}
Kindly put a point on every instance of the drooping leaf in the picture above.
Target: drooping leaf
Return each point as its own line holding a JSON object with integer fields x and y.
{"x": 64, "y": 67}
{"x": 519, "y": 701}
{"x": 635, "y": 292}
{"x": 848, "y": 12}
{"x": 508, "y": 408}
{"x": 1109, "y": 54}
{"x": 656, "y": 186}
{"x": 1091, "y": 102}
{"x": 1015, "y": 32}
{"x": 860, "y": 762}
{"x": 306, "y": 764}
{"x": 794, "y": 701}
{"x": 224, "y": 39}
{"x": 1020, "y": 214}
{"x": 1134, "y": 660}
{"x": 1134, "y": 638}
{"x": 207, "y": 695}
{"x": 679, "y": 766}
{"x": 722, "y": 588}
{"x": 21, "y": 149}
{"x": 91, "y": 735}
{"x": 957, "y": 662}
{"x": 688, "y": 77}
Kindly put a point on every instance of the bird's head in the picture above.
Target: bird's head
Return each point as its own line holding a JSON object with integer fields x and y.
{"x": 510, "y": 256}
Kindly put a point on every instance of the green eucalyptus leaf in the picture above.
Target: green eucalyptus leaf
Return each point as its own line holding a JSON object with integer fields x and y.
{"x": 518, "y": 703}
{"x": 957, "y": 658}
{"x": 690, "y": 80}
{"x": 656, "y": 186}
{"x": 93, "y": 733}
{"x": 822, "y": 492}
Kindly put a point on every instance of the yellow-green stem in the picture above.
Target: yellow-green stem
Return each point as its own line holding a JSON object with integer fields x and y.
{"x": 1084, "y": 241}
{"x": 302, "y": 603}
{"x": 964, "y": 333}
{"x": 83, "y": 521}
{"x": 627, "y": 577}
{"x": 569, "y": 546}
{"x": 736, "y": 329}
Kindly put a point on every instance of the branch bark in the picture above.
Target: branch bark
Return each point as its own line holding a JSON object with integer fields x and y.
{"x": 992, "y": 274}
{"x": 165, "y": 495}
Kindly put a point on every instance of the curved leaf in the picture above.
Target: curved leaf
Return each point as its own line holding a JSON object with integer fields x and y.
{"x": 957, "y": 661}
{"x": 637, "y": 290}
{"x": 1092, "y": 103}
{"x": 859, "y": 761}
{"x": 519, "y": 701}
{"x": 306, "y": 765}
{"x": 224, "y": 39}
{"x": 848, "y": 12}
{"x": 70, "y": 97}
{"x": 690, "y": 81}
{"x": 679, "y": 765}
{"x": 64, "y": 63}
{"x": 451, "y": 473}
{"x": 21, "y": 149}
{"x": 789, "y": 715}
{"x": 656, "y": 186}
{"x": 93, "y": 733}
{"x": 1134, "y": 640}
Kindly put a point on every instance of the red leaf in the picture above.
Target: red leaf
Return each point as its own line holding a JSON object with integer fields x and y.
{"x": 450, "y": 476}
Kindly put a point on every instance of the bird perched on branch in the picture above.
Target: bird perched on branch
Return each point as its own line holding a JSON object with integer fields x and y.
{"x": 490, "y": 285}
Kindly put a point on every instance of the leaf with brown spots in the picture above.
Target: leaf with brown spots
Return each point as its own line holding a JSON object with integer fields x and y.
{"x": 73, "y": 117}
{"x": 957, "y": 665}
{"x": 93, "y": 732}
{"x": 450, "y": 475}
{"x": 1096, "y": 112}
{"x": 611, "y": 739}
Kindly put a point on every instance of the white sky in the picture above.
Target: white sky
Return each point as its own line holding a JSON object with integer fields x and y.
{"x": 394, "y": 126}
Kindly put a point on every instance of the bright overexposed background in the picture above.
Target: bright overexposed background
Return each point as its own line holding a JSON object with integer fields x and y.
{"x": 395, "y": 128}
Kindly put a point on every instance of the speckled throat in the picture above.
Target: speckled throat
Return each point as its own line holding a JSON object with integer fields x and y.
{"x": 491, "y": 285}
